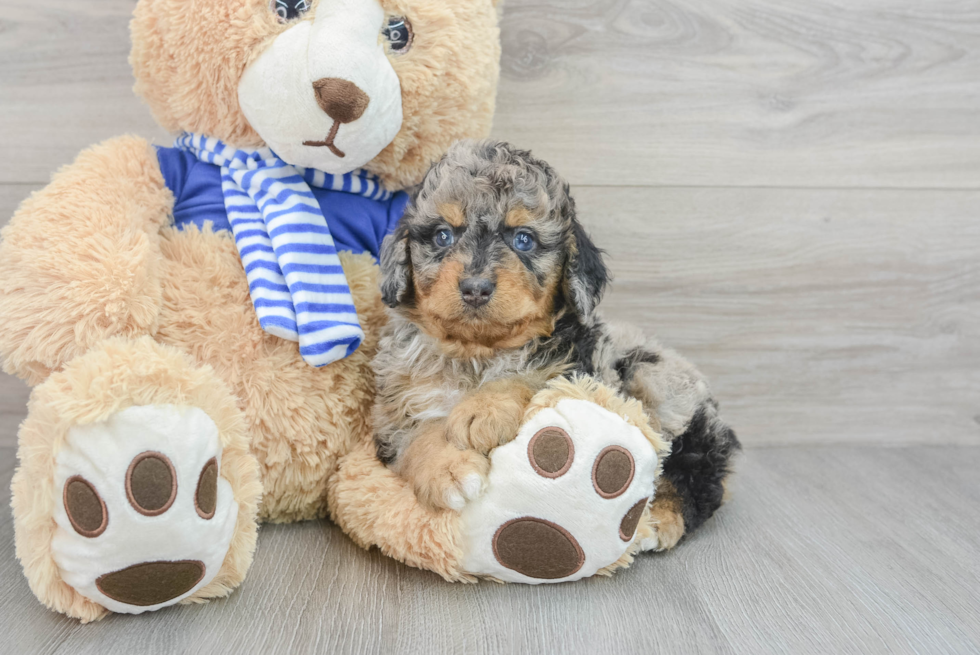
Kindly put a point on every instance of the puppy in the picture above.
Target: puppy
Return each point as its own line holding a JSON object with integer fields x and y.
{"x": 494, "y": 285}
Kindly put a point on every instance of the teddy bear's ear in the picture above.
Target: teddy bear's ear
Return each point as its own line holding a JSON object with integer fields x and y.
{"x": 396, "y": 267}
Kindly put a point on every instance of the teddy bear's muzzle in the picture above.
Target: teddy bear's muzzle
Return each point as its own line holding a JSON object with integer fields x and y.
{"x": 341, "y": 100}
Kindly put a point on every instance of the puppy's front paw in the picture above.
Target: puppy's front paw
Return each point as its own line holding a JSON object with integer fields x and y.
{"x": 666, "y": 519}
{"x": 448, "y": 484}
{"x": 484, "y": 421}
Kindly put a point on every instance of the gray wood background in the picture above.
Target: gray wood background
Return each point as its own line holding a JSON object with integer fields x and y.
{"x": 789, "y": 193}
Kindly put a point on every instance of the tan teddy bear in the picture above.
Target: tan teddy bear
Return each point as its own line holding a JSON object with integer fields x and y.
{"x": 199, "y": 324}
{"x": 163, "y": 409}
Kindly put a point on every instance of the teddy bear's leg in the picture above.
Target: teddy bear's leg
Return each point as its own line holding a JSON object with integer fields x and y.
{"x": 135, "y": 487}
{"x": 569, "y": 496}
{"x": 377, "y": 507}
{"x": 79, "y": 261}
{"x": 702, "y": 446}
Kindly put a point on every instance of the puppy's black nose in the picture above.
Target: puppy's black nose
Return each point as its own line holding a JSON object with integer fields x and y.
{"x": 477, "y": 291}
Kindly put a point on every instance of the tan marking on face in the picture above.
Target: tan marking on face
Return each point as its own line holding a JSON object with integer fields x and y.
{"x": 453, "y": 214}
{"x": 518, "y": 216}
{"x": 520, "y": 310}
{"x": 440, "y": 296}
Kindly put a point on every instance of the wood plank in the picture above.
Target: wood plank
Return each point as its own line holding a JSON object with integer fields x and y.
{"x": 805, "y": 93}
{"x": 13, "y": 408}
{"x": 820, "y": 316}
{"x": 66, "y": 84}
{"x": 13, "y": 392}
{"x": 639, "y": 92}
{"x": 843, "y": 550}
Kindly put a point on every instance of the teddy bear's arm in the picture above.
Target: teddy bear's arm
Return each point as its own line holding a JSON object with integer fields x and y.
{"x": 80, "y": 259}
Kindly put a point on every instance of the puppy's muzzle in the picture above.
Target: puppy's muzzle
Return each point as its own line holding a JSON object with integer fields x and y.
{"x": 476, "y": 291}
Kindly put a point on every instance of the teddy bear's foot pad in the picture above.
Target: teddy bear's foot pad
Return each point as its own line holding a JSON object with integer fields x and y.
{"x": 564, "y": 498}
{"x": 152, "y": 583}
{"x": 144, "y": 517}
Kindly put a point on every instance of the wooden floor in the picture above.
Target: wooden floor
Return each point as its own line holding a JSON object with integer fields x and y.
{"x": 825, "y": 550}
{"x": 789, "y": 193}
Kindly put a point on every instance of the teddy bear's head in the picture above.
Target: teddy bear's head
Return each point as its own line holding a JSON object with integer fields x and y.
{"x": 335, "y": 85}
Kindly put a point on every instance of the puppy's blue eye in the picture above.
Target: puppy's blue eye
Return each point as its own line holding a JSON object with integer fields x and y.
{"x": 287, "y": 10}
{"x": 523, "y": 241}
{"x": 444, "y": 238}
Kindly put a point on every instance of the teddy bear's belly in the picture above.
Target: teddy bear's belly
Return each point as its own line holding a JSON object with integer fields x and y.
{"x": 301, "y": 418}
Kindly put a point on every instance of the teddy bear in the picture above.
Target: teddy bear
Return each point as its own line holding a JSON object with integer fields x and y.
{"x": 198, "y": 323}
{"x": 163, "y": 408}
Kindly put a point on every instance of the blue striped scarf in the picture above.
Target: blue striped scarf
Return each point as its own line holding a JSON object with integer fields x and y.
{"x": 294, "y": 276}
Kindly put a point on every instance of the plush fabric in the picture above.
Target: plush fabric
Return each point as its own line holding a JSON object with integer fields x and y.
{"x": 356, "y": 108}
{"x": 116, "y": 375}
{"x": 182, "y": 440}
{"x": 448, "y": 80}
{"x": 290, "y": 258}
{"x": 377, "y": 507}
{"x": 198, "y": 200}
{"x": 124, "y": 299}
{"x": 80, "y": 259}
{"x": 300, "y": 419}
{"x": 563, "y": 511}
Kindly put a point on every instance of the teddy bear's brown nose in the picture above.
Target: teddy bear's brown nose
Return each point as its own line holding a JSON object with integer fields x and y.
{"x": 340, "y": 99}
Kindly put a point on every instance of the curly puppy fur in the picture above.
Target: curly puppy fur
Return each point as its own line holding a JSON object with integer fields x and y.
{"x": 494, "y": 286}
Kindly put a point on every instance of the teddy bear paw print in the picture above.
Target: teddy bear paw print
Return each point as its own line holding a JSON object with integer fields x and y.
{"x": 564, "y": 498}
{"x": 144, "y": 517}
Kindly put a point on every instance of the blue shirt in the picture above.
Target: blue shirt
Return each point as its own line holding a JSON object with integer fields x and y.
{"x": 357, "y": 224}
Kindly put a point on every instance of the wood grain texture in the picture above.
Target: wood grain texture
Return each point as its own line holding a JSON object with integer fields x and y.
{"x": 822, "y": 550}
{"x": 746, "y": 92}
{"x": 640, "y": 92}
{"x": 13, "y": 408}
{"x": 820, "y": 316}
{"x": 65, "y": 83}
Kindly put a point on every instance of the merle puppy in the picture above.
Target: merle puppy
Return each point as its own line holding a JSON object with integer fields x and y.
{"x": 494, "y": 286}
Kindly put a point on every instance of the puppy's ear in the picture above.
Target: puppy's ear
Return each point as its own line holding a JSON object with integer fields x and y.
{"x": 586, "y": 275}
{"x": 396, "y": 267}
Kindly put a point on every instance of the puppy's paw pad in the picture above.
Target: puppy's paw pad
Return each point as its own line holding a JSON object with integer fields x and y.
{"x": 145, "y": 518}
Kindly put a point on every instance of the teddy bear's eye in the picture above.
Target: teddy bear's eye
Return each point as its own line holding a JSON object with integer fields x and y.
{"x": 398, "y": 31}
{"x": 287, "y": 10}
